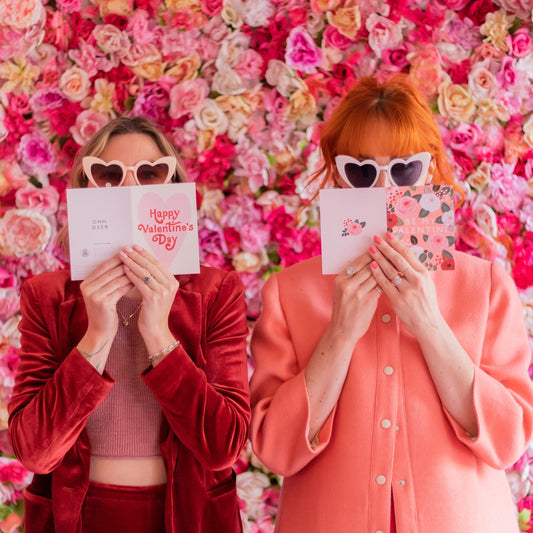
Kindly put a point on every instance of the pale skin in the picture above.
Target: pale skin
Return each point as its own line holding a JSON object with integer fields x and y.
{"x": 124, "y": 275}
{"x": 415, "y": 303}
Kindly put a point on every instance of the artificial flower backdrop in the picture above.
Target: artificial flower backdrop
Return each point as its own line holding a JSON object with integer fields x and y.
{"x": 243, "y": 88}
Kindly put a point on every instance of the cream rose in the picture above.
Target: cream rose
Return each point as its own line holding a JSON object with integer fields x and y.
{"x": 347, "y": 20}
{"x": 75, "y": 84}
{"x": 150, "y": 70}
{"x": 301, "y": 104}
{"x": 496, "y": 28}
{"x": 426, "y": 70}
{"x": 237, "y": 125}
{"x": 231, "y": 15}
{"x": 185, "y": 68}
{"x": 456, "y": 102}
{"x": 528, "y": 131}
{"x": 251, "y": 485}
{"x": 23, "y": 232}
{"x": 247, "y": 262}
{"x": 115, "y": 7}
{"x": 480, "y": 177}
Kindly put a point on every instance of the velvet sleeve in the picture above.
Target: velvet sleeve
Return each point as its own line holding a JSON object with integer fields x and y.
{"x": 52, "y": 398}
{"x": 502, "y": 392}
{"x": 208, "y": 408}
{"x": 279, "y": 398}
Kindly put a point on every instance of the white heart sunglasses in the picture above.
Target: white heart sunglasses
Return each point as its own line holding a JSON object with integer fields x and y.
{"x": 113, "y": 173}
{"x": 401, "y": 171}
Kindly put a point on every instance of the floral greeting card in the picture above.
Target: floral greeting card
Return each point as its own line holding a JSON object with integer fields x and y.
{"x": 160, "y": 218}
{"x": 421, "y": 217}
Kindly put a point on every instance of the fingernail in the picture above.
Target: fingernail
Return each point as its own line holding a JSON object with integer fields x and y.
{"x": 377, "y": 239}
{"x": 373, "y": 250}
{"x": 374, "y": 265}
{"x": 390, "y": 235}
{"x": 138, "y": 248}
{"x": 128, "y": 249}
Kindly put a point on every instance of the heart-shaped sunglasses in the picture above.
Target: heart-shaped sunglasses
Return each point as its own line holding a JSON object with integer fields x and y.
{"x": 113, "y": 173}
{"x": 401, "y": 171}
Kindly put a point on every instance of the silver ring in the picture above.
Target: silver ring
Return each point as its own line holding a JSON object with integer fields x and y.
{"x": 147, "y": 279}
{"x": 350, "y": 271}
{"x": 397, "y": 280}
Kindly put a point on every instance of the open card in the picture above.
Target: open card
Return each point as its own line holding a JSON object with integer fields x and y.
{"x": 421, "y": 217}
{"x": 160, "y": 218}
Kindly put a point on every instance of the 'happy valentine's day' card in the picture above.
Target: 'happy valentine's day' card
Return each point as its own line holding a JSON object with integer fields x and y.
{"x": 160, "y": 218}
{"x": 421, "y": 217}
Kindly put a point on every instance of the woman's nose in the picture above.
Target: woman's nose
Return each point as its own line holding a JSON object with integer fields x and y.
{"x": 129, "y": 179}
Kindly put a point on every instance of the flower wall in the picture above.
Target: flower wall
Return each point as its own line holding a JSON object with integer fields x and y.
{"x": 242, "y": 88}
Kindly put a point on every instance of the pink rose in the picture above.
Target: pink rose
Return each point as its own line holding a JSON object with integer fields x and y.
{"x": 383, "y": 33}
{"x": 436, "y": 242}
{"x": 69, "y": 6}
{"x": 36, "y": 153}
{"x": 23, "y": 232}
{"x": 335, "y": 39}
{"x": 254, "y": 237}
{"x": 21, "y": 13}
{"x": 407, "y": 206}
{"x": 302, "y": 52}
{"x": 464, "y": 137}
{"x": 212, "y": 8}
{"x": 87, "y": 124}
{"x": 13, "y": 174}
{"x": 519, "y": 43}
{"x": 250, "y": 65}
{"x": 45, "y": 200}
{"x": 187, "y": 97}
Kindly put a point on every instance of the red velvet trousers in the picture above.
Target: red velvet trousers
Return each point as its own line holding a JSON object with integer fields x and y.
{"x": 117, "y": 509}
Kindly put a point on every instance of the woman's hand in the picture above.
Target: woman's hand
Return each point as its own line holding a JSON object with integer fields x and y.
{"x": 101, "y": 290}
{"x": 413, "y": 296}
{"x": 355, "y": 297}
{"x": 407, "y": 283}
{"x": 158, "y": 288}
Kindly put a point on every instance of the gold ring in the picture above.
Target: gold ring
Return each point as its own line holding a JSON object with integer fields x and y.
{"x": 397, "y": 280}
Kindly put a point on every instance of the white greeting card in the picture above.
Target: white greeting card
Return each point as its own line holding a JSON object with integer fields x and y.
{"x": 160, "y": 218}
{"x": 421, "y": 217}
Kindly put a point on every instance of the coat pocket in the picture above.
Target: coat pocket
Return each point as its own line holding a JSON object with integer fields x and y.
{"x": 222, "y": 508}
{"x": 38, "y": 516}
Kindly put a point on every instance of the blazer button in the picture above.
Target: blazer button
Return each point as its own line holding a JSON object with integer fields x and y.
{"x": 386, "y": 423}
{"x": 380, "y": 480}
{"x": 386, "y": 318}
{"x": 388, "y": 370}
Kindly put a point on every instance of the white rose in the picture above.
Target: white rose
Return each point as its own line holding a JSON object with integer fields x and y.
{"x": 232, "y": 13}
{"x": 227, "y": 82}
{"x": 11, "y": 331}
{"x": 281, "y": 76}
{"x": 111, "y": 40}
{"x": 258, "y": 13}
{"x": 211, "y": 117}
{"x": 237, "y": 126}
{"x": 251, "y": 485}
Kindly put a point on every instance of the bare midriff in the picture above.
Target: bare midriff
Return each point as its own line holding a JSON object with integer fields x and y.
{"x": 128, "y": 471}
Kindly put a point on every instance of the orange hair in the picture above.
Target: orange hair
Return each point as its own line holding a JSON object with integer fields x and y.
{"x": 382, "y": 119}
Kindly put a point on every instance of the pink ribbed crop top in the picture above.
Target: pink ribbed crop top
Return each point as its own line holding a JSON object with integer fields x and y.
{"x": 127, "y": 422}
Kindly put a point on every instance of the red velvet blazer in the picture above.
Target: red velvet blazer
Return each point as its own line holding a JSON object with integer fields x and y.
{"x": 202, "y": 387}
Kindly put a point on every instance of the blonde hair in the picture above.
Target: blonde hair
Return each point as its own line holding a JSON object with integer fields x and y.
{"x": 97, "y": 144}
{"x": 388, "y": 117}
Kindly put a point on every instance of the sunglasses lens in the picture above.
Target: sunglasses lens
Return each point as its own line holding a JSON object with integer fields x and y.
{"x": 106, "y": 175}
{"x": 404, "y": 174}
{"x": 154, "y": 174}
{"x": 360, "y": 176}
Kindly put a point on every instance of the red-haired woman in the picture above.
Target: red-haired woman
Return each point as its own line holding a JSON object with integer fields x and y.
{"x": 391, "y": 398}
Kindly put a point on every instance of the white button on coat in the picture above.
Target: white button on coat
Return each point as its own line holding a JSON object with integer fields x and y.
{"x": 386, "y": 318}
{"x": 388, "y": 370}
{"x": 386, "y": 423}
{"x": 380, "y": 480}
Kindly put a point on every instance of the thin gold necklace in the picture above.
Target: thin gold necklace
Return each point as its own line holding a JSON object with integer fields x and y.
{"x": 126, "y": 321}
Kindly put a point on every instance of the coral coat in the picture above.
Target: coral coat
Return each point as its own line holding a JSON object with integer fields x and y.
{"x": 202, "y": 387}
{"x": 389, "y": 430}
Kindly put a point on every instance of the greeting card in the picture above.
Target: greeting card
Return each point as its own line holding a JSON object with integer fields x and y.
{"x": 421, "y": 217}
{"x": 160, "y": 218}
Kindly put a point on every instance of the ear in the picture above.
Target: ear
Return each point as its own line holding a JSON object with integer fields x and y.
{"x": 429, "y": 175}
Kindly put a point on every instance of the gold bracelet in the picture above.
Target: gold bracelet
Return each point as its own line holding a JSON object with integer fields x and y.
{"x": 165, "y": 351}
